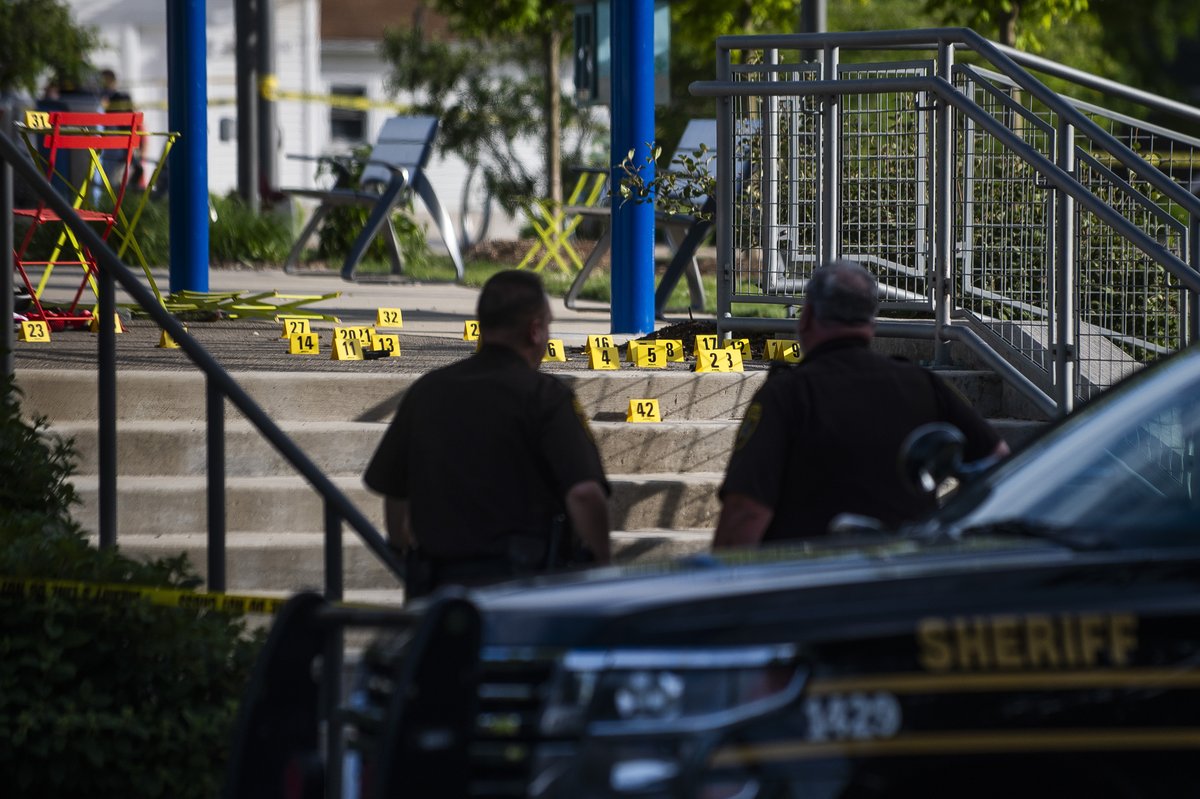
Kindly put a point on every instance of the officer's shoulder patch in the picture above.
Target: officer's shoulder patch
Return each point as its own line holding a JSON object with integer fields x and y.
{"x": 749, "y": 425}
{"x": 581, "y": 414}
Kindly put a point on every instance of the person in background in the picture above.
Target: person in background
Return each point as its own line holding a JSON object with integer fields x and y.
{"x": 115, "y": 100}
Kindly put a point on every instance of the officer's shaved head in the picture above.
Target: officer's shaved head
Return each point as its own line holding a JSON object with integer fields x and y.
{"x": 510, "y": 300}
{"x": 843, "y": 292}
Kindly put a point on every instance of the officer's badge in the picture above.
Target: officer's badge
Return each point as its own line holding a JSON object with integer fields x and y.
{"x": 749, "y": 425}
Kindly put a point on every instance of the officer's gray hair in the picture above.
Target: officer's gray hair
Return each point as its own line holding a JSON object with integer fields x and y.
{"x": 842, "y": 291}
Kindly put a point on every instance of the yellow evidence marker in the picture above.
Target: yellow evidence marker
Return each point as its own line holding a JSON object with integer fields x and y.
{"x": 783, "y": 349}
{"x": 347, "y": 349}
{"x": 347, "y": 333}
{"x": 166, "y": 342}
{"x": 94, "y": 325}
{"x": 304, "y": 344}
{"x": 710, "y": 342}
{"x": 37, "y": 120}
{"x": 389, "y": 317}
{"x": 471, "y": 330}
{"x": 648, "y": 354}
{"x": 742, "y": 345}
{"x": 386, "y": 342}
{"x": 36, "y": 331}
{"x": 673, "y": 348}
{"x": 604, "y": 358}
{"x": 598, "y": 342}
{"x": 643, "y": 410}
{"x": 726, "y": 359}
{"x": 555, "y": 351}
{"x": 293, "y": 325}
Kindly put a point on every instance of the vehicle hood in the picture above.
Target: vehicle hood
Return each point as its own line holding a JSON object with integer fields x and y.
{"x": 688, "y": 595}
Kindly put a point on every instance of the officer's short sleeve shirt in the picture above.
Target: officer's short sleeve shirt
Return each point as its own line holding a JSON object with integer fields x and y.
{"x": 825, "y": 437}
{"x": 483, "y": 449}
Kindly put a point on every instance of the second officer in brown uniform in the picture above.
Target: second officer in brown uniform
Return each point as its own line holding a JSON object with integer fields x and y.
{"x": 486, "y": 456}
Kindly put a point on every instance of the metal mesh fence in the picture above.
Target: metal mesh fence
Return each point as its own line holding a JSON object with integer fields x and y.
{"x": 885, "y": 182}
{"x": 1004, "y": 224}
{"x": 879, "y": 147}
{"x": 1127, "y": 312}
{"x": 776, "y": 161}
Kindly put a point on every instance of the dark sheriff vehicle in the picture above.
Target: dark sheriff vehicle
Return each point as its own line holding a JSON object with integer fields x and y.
{"x": 1040, "y": 636}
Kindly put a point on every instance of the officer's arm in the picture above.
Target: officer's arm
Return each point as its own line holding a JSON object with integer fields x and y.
{"x": 399, "y": 528}
{"x": 587, "y": 505}
{"x": 742, "y": 523}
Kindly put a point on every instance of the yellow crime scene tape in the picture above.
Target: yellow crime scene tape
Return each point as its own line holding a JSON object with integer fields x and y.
{"x": 120, "y": 593}
{"x": 268, "y": 87}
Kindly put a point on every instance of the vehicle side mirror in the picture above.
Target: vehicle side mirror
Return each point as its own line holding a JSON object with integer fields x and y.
{"x": 931, "y": 454}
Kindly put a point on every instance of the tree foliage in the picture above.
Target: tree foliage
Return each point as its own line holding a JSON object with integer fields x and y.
{"x": 476, "y": 18}
{"x": 696, "y": 24}
{"x": 490, "y": 94}
{"x": 1016, "y": 23}
{"x": 40, "y": 36}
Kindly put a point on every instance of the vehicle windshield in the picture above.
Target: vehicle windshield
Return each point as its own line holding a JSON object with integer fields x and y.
{"x": 1122, "y": 471}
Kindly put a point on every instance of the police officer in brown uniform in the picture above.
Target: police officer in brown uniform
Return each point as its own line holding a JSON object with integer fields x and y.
{"x": 823, "y": 438}
{"x": 485, "y": 457}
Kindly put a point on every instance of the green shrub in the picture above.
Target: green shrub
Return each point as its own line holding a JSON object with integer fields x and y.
{"x": 119, "y": 700}
{"x": 236, "y": 235}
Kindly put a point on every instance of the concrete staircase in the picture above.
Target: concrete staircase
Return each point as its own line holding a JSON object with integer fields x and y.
{"x": 664, "y": 476}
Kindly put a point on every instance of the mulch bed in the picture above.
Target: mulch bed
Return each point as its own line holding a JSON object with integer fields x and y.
{"x": 688, "y": 330}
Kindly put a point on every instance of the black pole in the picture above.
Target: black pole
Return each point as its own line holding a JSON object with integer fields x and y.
{"x": 215, "y": 441}
{"x": 246, "y": 34}
{"x": 267, "y": 132}
{"x": 106, "y": 404}
{"x": 333, "y": 665}
{"x": 813, "y": 19}
{"x": 7, "y": 244}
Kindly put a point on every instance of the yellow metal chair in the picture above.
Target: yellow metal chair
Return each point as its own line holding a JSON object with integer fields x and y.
{"x": 555, "y": 227}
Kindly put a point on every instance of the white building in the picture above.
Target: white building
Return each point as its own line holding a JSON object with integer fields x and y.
{"x": 320, "y": 50}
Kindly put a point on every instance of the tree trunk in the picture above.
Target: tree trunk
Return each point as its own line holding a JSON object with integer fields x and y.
{"x": 1008, "y": 25}
{"x": 552, "y": 41}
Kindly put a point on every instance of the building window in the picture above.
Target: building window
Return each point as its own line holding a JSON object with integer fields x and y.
{"x": 347, "y": 124}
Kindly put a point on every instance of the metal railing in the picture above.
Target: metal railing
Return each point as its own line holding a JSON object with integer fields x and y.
{"x": 220, "y": 386}
{"x": 1041, "y": 230}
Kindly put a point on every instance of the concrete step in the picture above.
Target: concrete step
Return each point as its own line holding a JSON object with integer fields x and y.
{"x": 1017, "y": 432}
{"x": 152, "y": 505}
{"x": 290, "y": 562}
{"x": 179, "y": 448}
{"x": 62, "y": 395}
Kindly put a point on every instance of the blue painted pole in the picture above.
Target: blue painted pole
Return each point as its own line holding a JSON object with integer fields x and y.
{"x": 632, "y": 129}
{"x": 187, "y": 100}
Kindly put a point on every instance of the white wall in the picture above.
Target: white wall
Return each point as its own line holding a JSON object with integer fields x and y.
{"x": 134, "y": 37}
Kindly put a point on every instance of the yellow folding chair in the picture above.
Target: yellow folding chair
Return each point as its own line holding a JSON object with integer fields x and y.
{"x": 555, "y": 227}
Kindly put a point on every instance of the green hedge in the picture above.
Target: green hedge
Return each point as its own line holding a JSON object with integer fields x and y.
{"x": 102, "y": 700}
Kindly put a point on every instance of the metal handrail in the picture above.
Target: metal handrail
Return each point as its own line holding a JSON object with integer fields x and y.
{"x": 220, "y": 386}
{"x": 943, "y": 89}
{"x": 1055, "y": 169}
{"x": 1000, "y": 58}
